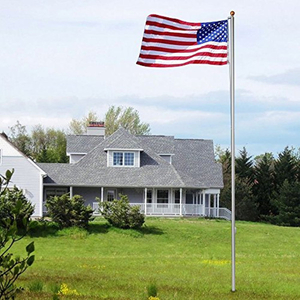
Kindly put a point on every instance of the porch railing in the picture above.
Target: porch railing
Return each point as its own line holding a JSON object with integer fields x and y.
{"x": 171, "y": 209}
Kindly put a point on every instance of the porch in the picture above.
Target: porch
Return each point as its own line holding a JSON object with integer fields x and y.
{"x": 169, "y": 209}
{"x": 153, "y": 201}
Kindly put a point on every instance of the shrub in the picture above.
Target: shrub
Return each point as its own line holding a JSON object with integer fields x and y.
{"x": 8, "y": 201}
{"x": 68, "y": 212}
{"x": 11, "y": 267}
{"x": 121, "y": 214}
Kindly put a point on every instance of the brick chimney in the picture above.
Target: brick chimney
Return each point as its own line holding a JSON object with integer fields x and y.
{"x": 96, "y": 128}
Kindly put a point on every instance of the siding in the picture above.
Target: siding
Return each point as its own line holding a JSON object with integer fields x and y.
{"x": 88, "y": 194}
{"x": 26, "y": 177}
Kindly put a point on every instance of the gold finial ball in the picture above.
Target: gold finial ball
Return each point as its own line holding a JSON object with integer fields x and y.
{"x": 232, "y": 13}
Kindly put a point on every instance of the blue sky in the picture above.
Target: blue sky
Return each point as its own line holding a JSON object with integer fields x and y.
{"x": 61, "y": 59}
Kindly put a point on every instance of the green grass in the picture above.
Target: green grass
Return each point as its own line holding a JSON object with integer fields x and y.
{"x": 183, "y": 258}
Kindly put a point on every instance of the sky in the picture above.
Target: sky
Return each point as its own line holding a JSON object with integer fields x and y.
{"x": 61, "y": 59}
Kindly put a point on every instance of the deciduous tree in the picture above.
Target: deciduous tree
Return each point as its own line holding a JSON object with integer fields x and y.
{"x": 127, "y": 118}
{"x": 115, "y": 117}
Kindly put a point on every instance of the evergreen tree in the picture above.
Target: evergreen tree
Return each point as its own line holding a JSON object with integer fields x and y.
{"x": 288, "y": 205}
{"x": 245, "y": 204}
{"x": 263, "y": 184}
{"x": 244, "y": 165}
{"x": 286, "y": 168}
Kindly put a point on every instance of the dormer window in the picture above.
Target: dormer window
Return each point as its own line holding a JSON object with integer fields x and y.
{"x": 123, "y": 158}
{"x": 167, "y": 157}
{"x": 117, "y": 157}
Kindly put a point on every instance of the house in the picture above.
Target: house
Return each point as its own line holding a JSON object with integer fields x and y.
{"x": 162, "y": 174}
{"x": 27, "y": 176}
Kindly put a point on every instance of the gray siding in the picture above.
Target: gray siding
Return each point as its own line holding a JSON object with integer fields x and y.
{"x": 26, "y": 177}
{"x": 134, "y": 195}
{"x": 88, "y": 194}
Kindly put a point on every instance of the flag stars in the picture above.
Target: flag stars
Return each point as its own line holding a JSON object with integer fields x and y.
{"x": 214, "y": 31}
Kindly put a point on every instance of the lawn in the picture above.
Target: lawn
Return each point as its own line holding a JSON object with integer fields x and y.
{"x": 183, "y": 258}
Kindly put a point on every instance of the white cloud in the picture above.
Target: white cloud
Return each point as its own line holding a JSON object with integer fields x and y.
{"x": 61, "y": 59}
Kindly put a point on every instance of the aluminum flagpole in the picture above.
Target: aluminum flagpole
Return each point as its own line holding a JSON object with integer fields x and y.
{"x": 232, "y": 110}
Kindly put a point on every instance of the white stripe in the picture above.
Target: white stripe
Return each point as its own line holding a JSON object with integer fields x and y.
{"x": 170, "y": 38}
{"x": 181, "y": 47}
{"x": 175, "y": 62}
{"x": 151, "y": 52}
{"x": 164, "y": 21}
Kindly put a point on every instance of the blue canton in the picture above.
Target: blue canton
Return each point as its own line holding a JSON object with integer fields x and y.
{"x": 213, "y": 32}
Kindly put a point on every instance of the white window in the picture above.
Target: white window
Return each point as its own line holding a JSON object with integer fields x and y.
{"x": 111, "y": 195}
{"x": 51, "y": 192}
{"x": 162, "y": 198}
{"x": 177, "y": 196}
{"x": 123, "y": 159}
{"x": 149, "y": 196}
{"x": 167, "y": 157}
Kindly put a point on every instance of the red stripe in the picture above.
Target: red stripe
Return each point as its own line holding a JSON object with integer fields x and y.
{"x": 162, "y": 57}
{"x": 170, "y": 42}
{"x": 207, "y": 62}
{"x": 162, "y": 49}
{"x": 168, "y": 33}
{"x": 175, "y": 20}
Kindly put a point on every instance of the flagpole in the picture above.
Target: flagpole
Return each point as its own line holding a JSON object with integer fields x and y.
{"x": 232, "y": 109}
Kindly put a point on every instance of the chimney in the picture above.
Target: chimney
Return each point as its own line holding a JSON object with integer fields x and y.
{"x": 96, "y": 128}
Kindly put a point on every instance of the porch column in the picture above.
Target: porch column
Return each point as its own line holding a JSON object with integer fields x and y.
{"x": 102, "y": 194}
{"x": 145, "y": 201}
{"x": 170, "y": 203}
{"x": 203, "y": 202}
{"x": 215, "y": 205}
{"x": 71, "y": 192}
{"x": 209, "y": 195}
{"x": 218, "y": 204}
{"x": 180, "y": 201}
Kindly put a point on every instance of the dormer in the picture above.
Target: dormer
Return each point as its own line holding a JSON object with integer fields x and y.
{"x": 118, "y": 157}
{"x": 167, "y": 157}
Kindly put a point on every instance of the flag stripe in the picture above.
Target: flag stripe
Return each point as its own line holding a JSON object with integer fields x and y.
{"x": 177, "y": 50}
{"x": 202, "y": 61}
{"x": 169, "y": 42}
{"x": 177, "y": 33}
{"x": 163, "y": 57}
{"x": 174, "y": 23}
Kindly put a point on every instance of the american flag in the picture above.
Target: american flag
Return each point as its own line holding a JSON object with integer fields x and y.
{"x": 169, "y": 42}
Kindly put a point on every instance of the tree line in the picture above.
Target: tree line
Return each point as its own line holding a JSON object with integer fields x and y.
{"x": 266, "y": 188}
{"x": 48, "y": 145}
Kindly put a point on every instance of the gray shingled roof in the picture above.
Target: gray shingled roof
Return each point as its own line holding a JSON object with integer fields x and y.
{"x": 82, "y": 143}
{"x": 160, "y": 143}
{"x": 193, "y": 164}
